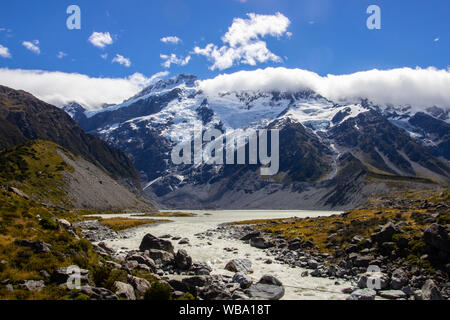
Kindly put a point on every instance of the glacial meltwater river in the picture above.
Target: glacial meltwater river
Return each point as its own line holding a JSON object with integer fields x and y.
{"x": 297, "y": 287}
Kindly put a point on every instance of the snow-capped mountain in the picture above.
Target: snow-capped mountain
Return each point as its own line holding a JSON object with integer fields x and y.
{"x": 331, "y": 154}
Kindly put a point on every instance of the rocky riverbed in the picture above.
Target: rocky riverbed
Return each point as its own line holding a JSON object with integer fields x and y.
{"x": 234, "y": 261}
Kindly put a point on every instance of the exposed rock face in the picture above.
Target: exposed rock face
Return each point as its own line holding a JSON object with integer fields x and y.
{"x": 239, "y": 265}
{"x": 141, "y": 259}
{"x": 152, "y": 242}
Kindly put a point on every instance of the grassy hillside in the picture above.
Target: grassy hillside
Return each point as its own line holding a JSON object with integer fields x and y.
{"x": 24, "y": 117}
{"x": 36, "y": 169}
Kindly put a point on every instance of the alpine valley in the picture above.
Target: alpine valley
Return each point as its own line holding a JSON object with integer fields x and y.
{"x": 333, "y": 154}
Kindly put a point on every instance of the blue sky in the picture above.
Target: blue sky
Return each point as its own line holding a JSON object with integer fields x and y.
{"x": 328, "y": 36}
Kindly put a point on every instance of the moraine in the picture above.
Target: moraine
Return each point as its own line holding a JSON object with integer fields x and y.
{"x": 210, "y": 250}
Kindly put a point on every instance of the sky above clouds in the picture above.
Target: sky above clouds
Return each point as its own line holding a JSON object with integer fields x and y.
{"x": 128, "y": 44}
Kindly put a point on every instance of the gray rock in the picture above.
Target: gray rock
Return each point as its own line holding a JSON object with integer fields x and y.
{"x": 139, "y": 284}
{"x": 182, "y": 260}
{"x": 125, "y": 291}
{"x": 61, "y": 275}
{"x": 399, "y": 279}
{"x": 151, "y": 242}
{"x": 436, "y": 236}
{"x": 251, "y": 235}
{"x": 32, "y": 285}
{"x": 261, "y": 243}
{"x": 374, "y": 280}
{"x": 239, "y": 265}
{"x": 244, "y": 281}
{"x": 184, "y": 241}
{"x": 141, "y": 259}
{"x": 164, "y": 257}
{"x": 313, "y": 264}
{"x": 98, "y": 293}
{"x": 385, "y": 234}
{"x": 265, "y": 291}
{"x": 363, "y": 294}
{"x": 430, "y": 291}
{"x": 36, "y": 246}
{"x": 268, "y": 279}
{"x": 392, "y": 294}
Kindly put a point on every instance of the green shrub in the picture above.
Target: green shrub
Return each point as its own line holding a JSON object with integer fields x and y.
{"x": 158, "y": 291}
{"x": 48, "y": 224}
{"x": 187, "y": 296}
{"x": 105, "y": 277}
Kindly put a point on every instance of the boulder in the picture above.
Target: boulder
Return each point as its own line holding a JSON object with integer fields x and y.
{"x": 151, "y": 242}
{"x": 36, "y": 246}
{"x": 244, "y": 280}
{"x": 373, "y": 280}
{"x": 178, "y": 285}
{"x": 142, "y": 260}
{"x": 436, "y": 236}
{"x": 385, "y": 234}
{"x": 363, "y": 294}
{"x": 62, "y": 275}
{"x": 184, "y": 241}
{"x": 98, "y": 293}
{"x": 430, "y": 291}
{"x": 261, "y": 243}
{"x": 399, "y": 279}
{"x": 159, "y": 255}
{"x": 265, "y": 291}
{"x": 239, "y": 265}
{"x": 251, "y": 235}
{"x": 32, "y": 285}
{"x": 313, "y": 264}
{"x": 268, "y": 279}
{"x": 125, "y": 291}
{"x": 139, "y": 284}
{"x": 182, "y": 260}
{"x": 392, "y": 294}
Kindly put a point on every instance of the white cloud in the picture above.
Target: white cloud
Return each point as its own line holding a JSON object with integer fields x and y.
{"x": 243, "y": 44}
{"x": 61, "y": 55}
{"x": 171, "y": 39}
{"x": 104, "y": 56}
{"x": 436, "y": 40}
{"x": 100, "y": 40}
{"x": 4, "y": 52}
{"x": 33, "y": 46}
{"x": 173, "y": 59}
{"x": 122, "y": 60}
{"x": 60, "y": 88}
{"x": 418, "y": 87}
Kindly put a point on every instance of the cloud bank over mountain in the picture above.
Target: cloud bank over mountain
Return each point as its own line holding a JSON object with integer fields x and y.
{"x": 60, "y": 88}
{"x": 418, "y": 87}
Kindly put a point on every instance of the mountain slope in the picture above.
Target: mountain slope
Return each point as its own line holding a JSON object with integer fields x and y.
{"x": 332, "y": 155}
{"x": 54, "y": 176}
{"x": 29, "y": 118}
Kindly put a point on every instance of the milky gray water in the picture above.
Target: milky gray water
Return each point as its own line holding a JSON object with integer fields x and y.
{"x": 297, "y": 287}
